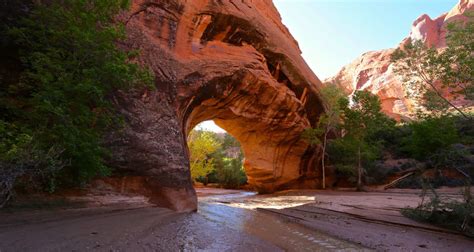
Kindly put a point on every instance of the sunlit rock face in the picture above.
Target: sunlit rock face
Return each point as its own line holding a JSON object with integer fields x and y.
{"x": 229, "y": 61}
{"x": 373, "y": 71}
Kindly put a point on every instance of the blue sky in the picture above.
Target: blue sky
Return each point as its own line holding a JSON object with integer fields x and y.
{"x": 332, "y": 33}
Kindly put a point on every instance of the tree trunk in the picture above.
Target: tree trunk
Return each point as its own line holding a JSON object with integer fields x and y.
{"x": 359, "y": 171}
{"x": 450, "y": 103}
{"x": 438, "y": 93}
{"x": 323, "y": 167}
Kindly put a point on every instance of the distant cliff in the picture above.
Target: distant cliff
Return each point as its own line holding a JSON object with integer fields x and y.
{"x": 373, "y": 71}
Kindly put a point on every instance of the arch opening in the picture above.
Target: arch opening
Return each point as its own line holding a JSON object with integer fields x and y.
{"x": 267, "y": 118}
{"x": 216, "y": 157}
{"x": 242, "y": 70}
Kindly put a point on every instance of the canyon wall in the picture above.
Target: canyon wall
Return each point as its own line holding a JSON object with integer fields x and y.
{"x": 230, "y": 61}
{"x": 374, "y": 72}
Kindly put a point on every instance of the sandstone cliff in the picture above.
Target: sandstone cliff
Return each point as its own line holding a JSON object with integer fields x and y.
{"x": 229, "y": 61}
{"x": 373, "y": 71}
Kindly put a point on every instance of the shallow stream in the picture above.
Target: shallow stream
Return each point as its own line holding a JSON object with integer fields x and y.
{"x": 284, "y": 234}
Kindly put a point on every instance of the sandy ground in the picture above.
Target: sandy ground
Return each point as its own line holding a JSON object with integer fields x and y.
{"x": 232, "y": 220}
{"x": 371, "y": 219}
{"x": 122, "y": 229}
{"x": 113, "y": 224}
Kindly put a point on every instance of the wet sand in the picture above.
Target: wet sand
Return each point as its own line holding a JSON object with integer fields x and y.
{"x": 371, "y": 219}
{"x": 141, "y": 227}
{"x": 283, "y": 233}
{"x": 232, "y": 220}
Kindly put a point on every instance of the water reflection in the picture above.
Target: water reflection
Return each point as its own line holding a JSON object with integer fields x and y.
{"x": 237, "y": 212}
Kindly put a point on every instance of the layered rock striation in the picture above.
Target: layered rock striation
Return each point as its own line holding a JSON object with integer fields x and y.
{"x": 374, "y": 72}
{"x": 233, "y": 62}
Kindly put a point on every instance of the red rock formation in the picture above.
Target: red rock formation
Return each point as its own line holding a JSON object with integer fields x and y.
{"x": 229, "y": 61}
{"x": 373, "y": 71}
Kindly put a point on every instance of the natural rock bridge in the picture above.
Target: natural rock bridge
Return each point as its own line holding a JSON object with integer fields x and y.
{"x": 231, "y": 61}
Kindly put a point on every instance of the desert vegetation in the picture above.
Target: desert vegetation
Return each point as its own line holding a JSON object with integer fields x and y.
{"x": 97, "y": 98}
{"x": 432, "y": 151}
{"x": 216, "y": 158}
{"x": 55, "y": 101}
{"x": 435, "y": 148}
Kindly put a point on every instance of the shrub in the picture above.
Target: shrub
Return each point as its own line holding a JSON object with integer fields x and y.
{"x": 20, "y": 158}
{"x": 452, "y": 214}
{"x": 232, "y": 175}
{"x": 429, "y": 136}
{"x": 56, "y": 112}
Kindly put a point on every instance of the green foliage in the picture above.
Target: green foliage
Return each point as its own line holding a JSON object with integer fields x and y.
{"x": 439, "y": 140}
{"x": 314, "y": 135}
{"x": 202, "y": 144}
{"x": 429, "y": 136}
{"x": 331, "y": 96}
{"x": 344, "y": 154}
{"x": 466, "y": 130}
{"x": 453, "y": 214}
{"x": 364, "y": 118}
{"x": 362, "y": 124}
{"x": 419, "y": 68}
{"x": 72, "y": 66}
{"x": 431, "y": 75}
{"x": 460, "y": 40}
{"x": 214, "y": 160}
{"x": 13, "y": 141}
{"x": 232, "y": 174}
{"x": 329, "y": 121}
{"x": 21, "y": 158}
{"x": 436, "y": 143}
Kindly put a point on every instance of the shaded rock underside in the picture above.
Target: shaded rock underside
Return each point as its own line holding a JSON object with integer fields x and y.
{"x": 228, "y": 61}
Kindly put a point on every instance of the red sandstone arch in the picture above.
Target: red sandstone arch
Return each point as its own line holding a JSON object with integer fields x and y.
{"x": 228, "y": 61}
{"x": 266, "y": 118}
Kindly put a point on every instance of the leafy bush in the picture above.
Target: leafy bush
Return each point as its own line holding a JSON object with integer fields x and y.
{"x": 452, "y": 214}
{"x": 343, "y": 153}
{"x": 429, "y": 136}
{"x": 19, "y": 157}
{"x": 437, "y": 142}
{"x": 232, "y": 175}
{"x": 362, "y": 124}
{"x": 216, "y": 159}
{"x": 71, "y": 67}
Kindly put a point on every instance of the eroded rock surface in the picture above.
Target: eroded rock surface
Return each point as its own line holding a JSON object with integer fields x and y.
{"x": 373, "y": 71}
{"x": 229, "y": 61}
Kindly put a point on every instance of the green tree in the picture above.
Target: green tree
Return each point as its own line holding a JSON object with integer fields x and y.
{"x": 458, "y": 60}
{"x": 202, "y": 144}
{"x": 71, "y": 68}
{"x": 347, "y": 152}
{"x": 231, "y": 174}
{"x": 430, "y": 73}
{"x": 328, "y": 122}
{"x": 361, "y": 121}
{"x": 429, "y": 136}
